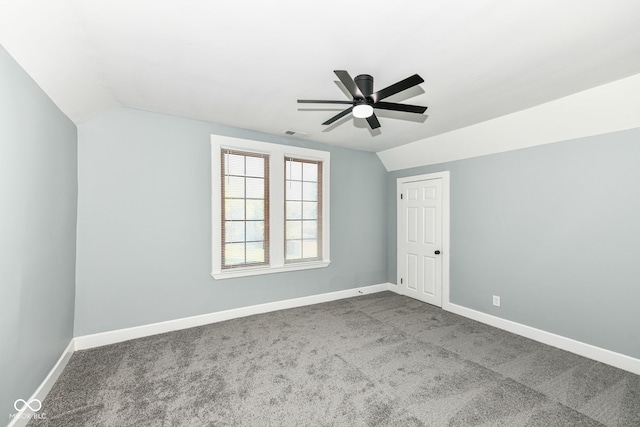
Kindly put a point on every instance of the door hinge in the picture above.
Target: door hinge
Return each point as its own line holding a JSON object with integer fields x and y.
{"x": 401, "y": 196}
{"x": 401, "y": 280}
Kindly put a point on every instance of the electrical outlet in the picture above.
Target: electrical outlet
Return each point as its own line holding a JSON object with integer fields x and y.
{"x": 496, "y": 301}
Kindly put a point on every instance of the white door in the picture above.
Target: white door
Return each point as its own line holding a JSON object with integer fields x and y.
{"x": 420, "y": 240}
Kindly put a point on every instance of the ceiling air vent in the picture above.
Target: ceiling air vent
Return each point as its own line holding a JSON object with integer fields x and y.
{"x": 294, "y": 132}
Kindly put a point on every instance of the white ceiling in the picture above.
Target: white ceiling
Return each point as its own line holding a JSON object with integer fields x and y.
{"x": 244, "y": 63}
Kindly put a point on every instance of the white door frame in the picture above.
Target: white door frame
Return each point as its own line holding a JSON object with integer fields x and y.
{"x": 446, "y": 248}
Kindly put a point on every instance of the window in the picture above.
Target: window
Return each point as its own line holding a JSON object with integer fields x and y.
{"x": 270, "y": 207}
{"x": 303, "y": 209}
{"x": 245, "y": 209}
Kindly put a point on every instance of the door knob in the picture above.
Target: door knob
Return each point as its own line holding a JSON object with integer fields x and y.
{"x": 437, "y": 252}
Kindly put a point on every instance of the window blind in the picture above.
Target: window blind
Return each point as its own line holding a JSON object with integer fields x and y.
{"x": 245, "y": 209}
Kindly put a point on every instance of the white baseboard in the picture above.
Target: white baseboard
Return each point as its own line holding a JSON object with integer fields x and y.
{"x": 599, "y": 354}
{"x": 112, "y": 337}
{"x": 21, "y": 418}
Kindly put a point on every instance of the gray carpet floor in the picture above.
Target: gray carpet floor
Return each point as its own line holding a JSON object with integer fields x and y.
{"x": 380, "y": 359}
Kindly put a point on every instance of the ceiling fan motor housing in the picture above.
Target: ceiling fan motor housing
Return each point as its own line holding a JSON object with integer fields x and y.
{"x": 365, "y": 84}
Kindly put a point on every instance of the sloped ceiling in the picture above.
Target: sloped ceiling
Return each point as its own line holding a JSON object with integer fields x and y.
{"x": 244, "y": 63}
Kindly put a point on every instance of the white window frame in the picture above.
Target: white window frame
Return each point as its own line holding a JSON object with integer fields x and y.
{"x": 277, "y": 154}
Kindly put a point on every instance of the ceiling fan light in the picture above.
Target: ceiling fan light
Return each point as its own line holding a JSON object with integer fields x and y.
{"x": 362, "y": 111}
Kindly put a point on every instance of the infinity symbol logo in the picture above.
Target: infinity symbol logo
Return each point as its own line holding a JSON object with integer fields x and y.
{"x": 37, "y": 405}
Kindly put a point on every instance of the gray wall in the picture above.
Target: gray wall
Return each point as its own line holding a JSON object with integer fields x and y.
{"x": 144, "y": 224}
{"x": 554, "y": 230}
{"x": 38, "y": 191}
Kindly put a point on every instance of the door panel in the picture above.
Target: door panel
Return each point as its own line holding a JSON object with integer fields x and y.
{"x": 412, "y": 225}
{"x": 429, "y": 268}
{"x": 429, "y": 225}
{"x": 412, "y": 272}
{"x": 420, "y": 268}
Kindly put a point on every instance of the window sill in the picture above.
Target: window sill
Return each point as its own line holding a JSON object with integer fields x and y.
{"x": 255, "y": 271}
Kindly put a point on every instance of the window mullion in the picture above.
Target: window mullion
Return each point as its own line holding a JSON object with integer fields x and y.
{"x": 276, "y": 207}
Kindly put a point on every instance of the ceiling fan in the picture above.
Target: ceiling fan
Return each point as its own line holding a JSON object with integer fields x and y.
{"x": 365, "y": 99}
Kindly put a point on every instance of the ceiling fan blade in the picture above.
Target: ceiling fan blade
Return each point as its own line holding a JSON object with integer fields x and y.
{"x": 400, "y": 107}
{"x": 318, "y": 101}
{"x": 373, "y": 121}
{"x": 338, "y": 116}
{"x": 349, "y": 83}
{"x": 405, "y": 84}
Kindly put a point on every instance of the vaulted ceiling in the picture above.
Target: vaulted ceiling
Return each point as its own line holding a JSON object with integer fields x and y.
{"x": 245, "y": 63}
